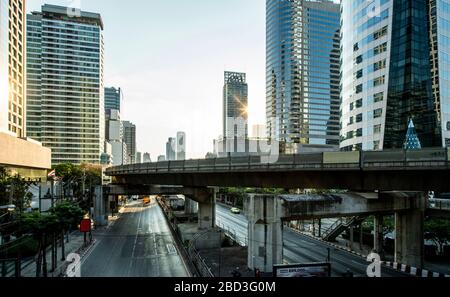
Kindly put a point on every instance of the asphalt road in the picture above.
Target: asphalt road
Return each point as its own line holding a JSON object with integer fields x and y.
{"x": 139, "y": 244}
{"x": 302, "y": 249}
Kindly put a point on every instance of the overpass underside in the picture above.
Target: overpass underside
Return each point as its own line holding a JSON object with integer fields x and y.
{"x": 266, "y": 214}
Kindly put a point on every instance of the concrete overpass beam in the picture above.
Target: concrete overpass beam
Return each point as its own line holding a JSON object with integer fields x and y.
{"x": 265, "y": 232}
{"x": 409, "y": 235}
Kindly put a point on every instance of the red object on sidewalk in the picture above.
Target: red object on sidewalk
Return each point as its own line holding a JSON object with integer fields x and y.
{"x": 85, "y": 225}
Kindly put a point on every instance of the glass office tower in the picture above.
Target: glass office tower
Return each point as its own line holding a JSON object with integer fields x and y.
{"x": 440, "y": 63}
{"x": 235, "y": 105}
{"x": 65, "y": 83}
{"x": 302, "y": 74}
{"x": 113, "y": 98}
{"x": 386, "y": 77}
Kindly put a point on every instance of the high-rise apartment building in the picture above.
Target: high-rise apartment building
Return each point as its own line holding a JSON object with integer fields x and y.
{"x": 129, "y": 137}
{"x": 235, "y": 105}
{"x": 12, "y": 67}
{"x": 181, "y": 146}
{"x": 170, "y": 149}
{"x": 302, "y": 73}
{"x": 113, "y": 98}
{"x": 138, "y": 157}
{"x": 17, "y": 153}
{"x": 387, "y": 75}
{"x": 65, "y": 85}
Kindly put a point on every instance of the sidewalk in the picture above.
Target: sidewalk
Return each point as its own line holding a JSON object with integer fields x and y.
{"x": 75, "y": 245}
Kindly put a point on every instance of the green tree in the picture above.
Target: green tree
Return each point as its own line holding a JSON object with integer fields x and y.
{"x": 438, "y": 230}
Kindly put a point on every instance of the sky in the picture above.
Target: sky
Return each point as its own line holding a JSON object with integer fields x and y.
{"x": 169, "y": 57}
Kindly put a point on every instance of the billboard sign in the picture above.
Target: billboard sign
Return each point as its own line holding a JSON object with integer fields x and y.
{"x": 303, "y": 270}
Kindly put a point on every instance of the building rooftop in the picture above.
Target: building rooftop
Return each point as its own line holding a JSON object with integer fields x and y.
{"x": 63, "y": 13}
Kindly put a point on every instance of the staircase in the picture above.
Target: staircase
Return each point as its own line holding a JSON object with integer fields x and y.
{"x": 340, "y": 226}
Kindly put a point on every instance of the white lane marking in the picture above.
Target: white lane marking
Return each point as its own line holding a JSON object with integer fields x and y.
{"x": 135, "y": 243}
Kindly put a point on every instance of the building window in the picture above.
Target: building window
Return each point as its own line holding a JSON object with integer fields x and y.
{"x": 380, "y": 49}
{"x": 359, "y": 88}
{"x": 378, "y": 97}
{"x": 379, "y": 65}
{"x": 359, "y": 59}
{"x": 359, "y": 118}
{"x": 377, "y": 113}
{"x": 376, "y": 145}
{"x": 378, "y": 81}
{"x": 359, "y": 74}
{"x": 380, "y": 33}
{"x": 377, "y": 129}
{"x": 359, "y": 103}
{"x": 359, "y": 132}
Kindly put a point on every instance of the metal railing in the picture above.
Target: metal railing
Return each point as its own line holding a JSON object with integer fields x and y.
{"x": 439, "y": 204}
{"x": 429, "y": 158}
{"x": 232, "y": 234}
{"x": 196, "y": 259}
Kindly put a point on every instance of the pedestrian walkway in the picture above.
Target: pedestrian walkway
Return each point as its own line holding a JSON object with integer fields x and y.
{"x": 75, "y": 245}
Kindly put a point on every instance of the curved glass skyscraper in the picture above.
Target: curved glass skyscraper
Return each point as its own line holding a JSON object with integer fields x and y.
{"x": 302, "y": 73}
{"x": 387, "y": 75}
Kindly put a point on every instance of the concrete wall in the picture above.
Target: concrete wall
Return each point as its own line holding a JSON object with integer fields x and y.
{"x": 26, "y": 154}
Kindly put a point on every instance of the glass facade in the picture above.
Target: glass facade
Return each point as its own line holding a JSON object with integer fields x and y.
{"x": 440, "y": 62}
{"x": 113, "y": 98}
{"x": 235, "y": 105}
{"x": 386, "y": 77}
{"x": 409, "y": 93}
{"x": 65, "y": 84}
{"x": 302, "y": 72}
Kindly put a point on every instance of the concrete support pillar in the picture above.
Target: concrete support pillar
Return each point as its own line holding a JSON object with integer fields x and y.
{"x": 100, "y": 217}
{"x": 207, "y": 211}
{"x": 351, "y": 238}
{"x": 378, "y": 234}
{"x": 320, "y": 228}
{"x": 190, "y": 206}
{"x": 409, "y": 237}
{"x": 265, "y": 232}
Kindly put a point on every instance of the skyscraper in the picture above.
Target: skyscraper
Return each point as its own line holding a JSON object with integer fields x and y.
{"x": 170, "y": 149}
{"x": 18, "y": 154}
{"x": 181, "y": 146}
{"x": 129, "y": 136}
{"x": 113, "y": 98}
{"x": 65, "y": 83}
{"x": 147, "y": 158}
{"x": 235, "y": 105}
{"x": 12, "y": 67}
{"x": 440, "y": 63}
{"x": 302, "y": 73}
{"x": 116, "y": 138}
{"x": 138, "y": 157}
{"x": 386, "y": 75}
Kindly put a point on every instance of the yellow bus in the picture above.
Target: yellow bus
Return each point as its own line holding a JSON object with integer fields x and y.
{"x": 146, "y": 200}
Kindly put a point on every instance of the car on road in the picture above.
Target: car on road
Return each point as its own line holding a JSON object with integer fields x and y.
{"x": 235, "y": 210}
